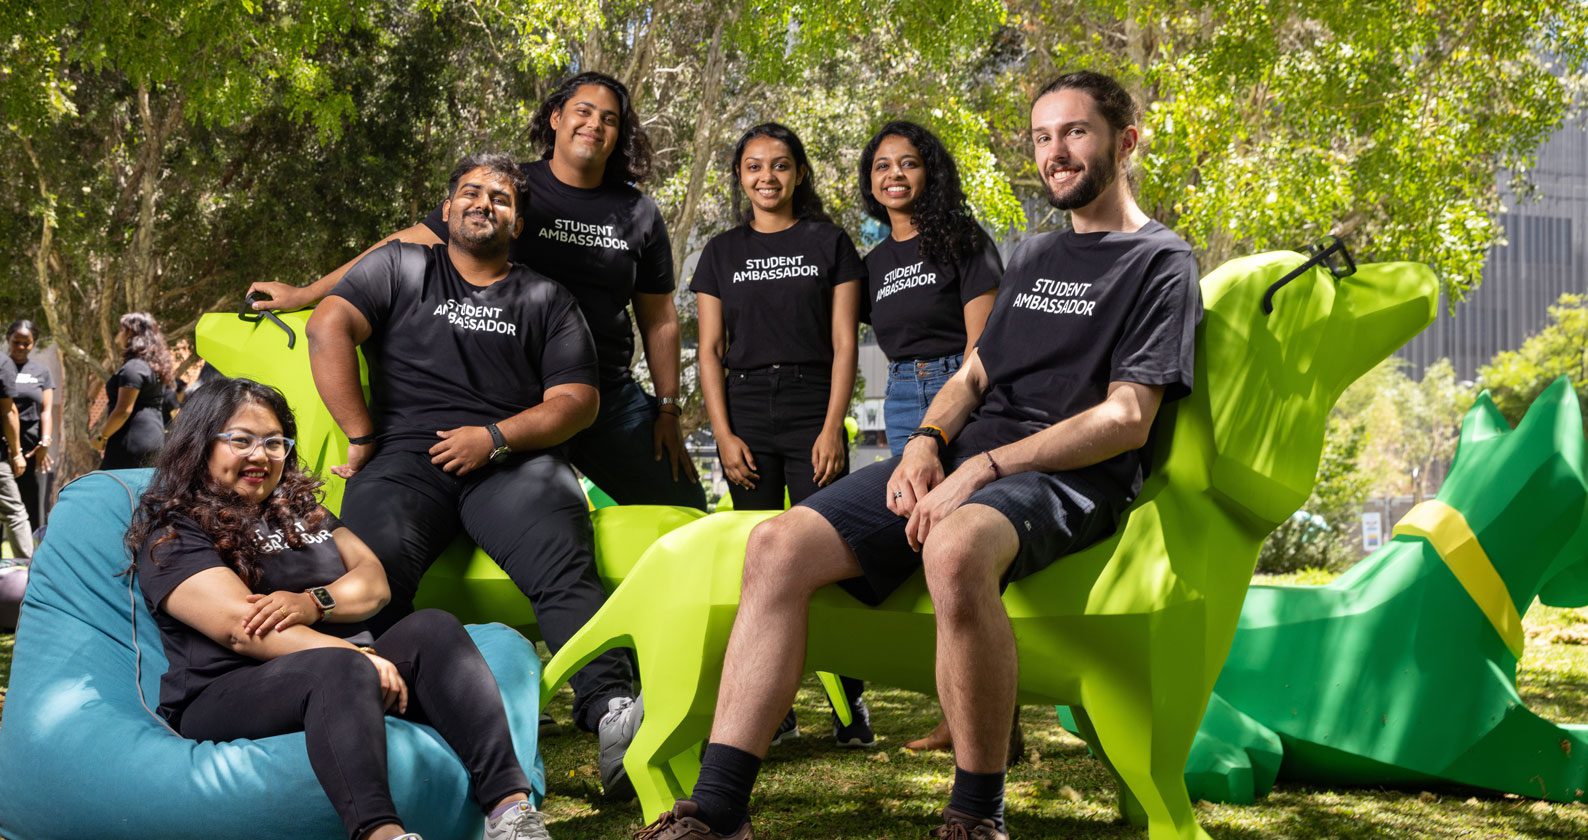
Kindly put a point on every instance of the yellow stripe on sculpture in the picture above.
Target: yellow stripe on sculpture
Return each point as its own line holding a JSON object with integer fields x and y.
{"x": 1447, "y": 531}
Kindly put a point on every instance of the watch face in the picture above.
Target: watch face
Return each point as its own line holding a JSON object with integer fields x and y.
{"x": 322, "y": 596}
{"x": 499, "y": 454}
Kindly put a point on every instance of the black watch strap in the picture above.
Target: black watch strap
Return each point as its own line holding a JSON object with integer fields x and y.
{"x": 361, "y": 440}
{"x": 497, "y": 440}
{"x": 932, "y": 432}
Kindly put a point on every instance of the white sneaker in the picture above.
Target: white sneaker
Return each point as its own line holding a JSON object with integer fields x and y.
{"x": 520, "y": 822}
{"x": 614, "y": 734}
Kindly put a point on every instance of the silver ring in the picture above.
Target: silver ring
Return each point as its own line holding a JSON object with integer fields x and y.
{"x": 898, "y": 494}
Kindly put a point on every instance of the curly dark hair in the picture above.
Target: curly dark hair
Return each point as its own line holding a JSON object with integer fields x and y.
{"x": 631, "y": 156}
{"x": 182, "y": 486}
{"x": 807, "y": 203}
{"x": 949, "y": 232}
{"x": 146, "y": 342}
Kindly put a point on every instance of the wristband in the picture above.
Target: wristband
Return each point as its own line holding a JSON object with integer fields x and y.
{"x": 362, "y": 440}
{"x": 670, "y": 408}
{"x": 997, "y": 473}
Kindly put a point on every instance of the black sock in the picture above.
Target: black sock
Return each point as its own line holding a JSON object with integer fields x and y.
{"x": 727, "y": 775}
{"x": 980, "y": 795}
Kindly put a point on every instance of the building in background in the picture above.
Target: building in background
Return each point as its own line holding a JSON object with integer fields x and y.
{"x": 1544, "y": 258}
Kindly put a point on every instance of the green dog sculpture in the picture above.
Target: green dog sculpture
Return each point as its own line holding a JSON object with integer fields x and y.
{"x": 1133, "y": 630}
{"x": 1403, "y": 671}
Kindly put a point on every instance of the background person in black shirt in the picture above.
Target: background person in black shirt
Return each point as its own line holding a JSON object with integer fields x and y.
{"x": 35, "y": 401}
{"x": 134, "y": 426}
{"x": 260, "y": 596}
{"x": 778, "y": 298}
{"x": 1038, "y": 451}
{"x": 931, "y": 282}
{"x": 480, "y": 370}
{"x": 589, "y": 229}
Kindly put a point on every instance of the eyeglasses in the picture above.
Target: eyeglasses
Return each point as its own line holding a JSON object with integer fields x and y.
{"x": 243, "y": 444}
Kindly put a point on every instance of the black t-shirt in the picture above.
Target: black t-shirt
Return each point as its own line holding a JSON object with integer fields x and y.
{"x": 777, "y": 291}
{"x": 1077, "y": 311}
{"x": 8, "y": 378}
{"x": 30, "y": 384}
{"x": 195, "y": 660}
{"x": 136, "y": 374}
{"x": 445, "y": 353}
{"x": 603, "y": 244}
{"x": 916, "y": 306}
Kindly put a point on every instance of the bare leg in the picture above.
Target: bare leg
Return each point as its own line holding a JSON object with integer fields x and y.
{"x": 977, "y": 669}
{"x": 788, "y": 558}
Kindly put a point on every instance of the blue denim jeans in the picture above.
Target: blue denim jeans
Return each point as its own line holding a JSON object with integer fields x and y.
{"x": 911, "y": 386}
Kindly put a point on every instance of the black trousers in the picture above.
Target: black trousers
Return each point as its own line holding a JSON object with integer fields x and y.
{"x": 528, "y": 514}
{"x": 31, "y": 485}
{"x": 333, "y": 696}
{"x": 779, "y": 411}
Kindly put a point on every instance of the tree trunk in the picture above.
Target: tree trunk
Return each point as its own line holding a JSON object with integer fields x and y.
{"x": 701, "y": 144}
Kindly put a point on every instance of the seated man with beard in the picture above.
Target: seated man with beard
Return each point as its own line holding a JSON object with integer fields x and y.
{"x": 479, "y": 371}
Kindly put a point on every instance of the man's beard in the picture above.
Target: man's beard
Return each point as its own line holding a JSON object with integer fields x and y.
{"x": 483, "y": 243}
{"x": 1099, "y": 175}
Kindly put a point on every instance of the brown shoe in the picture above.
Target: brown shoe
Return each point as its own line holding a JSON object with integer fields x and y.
{"x": 682, "y": 824}
{"x": 958, "y": 825}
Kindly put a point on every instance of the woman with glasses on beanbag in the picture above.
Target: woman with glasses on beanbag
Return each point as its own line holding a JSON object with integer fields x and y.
{"x": 260, "y": 594}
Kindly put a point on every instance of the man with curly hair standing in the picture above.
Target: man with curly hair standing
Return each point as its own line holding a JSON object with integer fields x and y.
{"x": 589, "y": 228}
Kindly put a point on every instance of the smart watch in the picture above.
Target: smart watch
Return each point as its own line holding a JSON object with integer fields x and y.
{"x": 499, "y": 451}
{"x": 322, "y": 599}
{"x": 934, "y": 433}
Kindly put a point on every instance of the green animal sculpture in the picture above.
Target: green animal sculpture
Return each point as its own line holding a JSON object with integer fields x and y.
{"x": 1135, "y": 629}
{"x": 1403, "y": 671}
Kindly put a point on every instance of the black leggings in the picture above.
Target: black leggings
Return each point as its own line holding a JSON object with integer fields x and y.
{"x": 529, "y": 514}
{"x": 332, "y": 695}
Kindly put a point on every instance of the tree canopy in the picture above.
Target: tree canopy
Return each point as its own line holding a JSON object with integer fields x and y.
{"x": 160, "y": 155}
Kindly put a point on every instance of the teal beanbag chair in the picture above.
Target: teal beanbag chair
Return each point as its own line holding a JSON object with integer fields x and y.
{"x": 82, "y": 755}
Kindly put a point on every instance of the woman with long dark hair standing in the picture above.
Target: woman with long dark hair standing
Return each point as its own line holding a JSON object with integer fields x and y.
{"x": 134, "y": 428}
{"x": 778, "y": 300}
{"x": 260, "y": 595}
{"x": 932, "y": 280}
{"x": 35, "y": 401}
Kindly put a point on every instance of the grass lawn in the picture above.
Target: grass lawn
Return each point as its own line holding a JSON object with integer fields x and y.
{"x": 810, "y": 788}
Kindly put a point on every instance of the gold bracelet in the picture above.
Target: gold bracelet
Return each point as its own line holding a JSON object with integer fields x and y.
{"x": 366, "y": 649}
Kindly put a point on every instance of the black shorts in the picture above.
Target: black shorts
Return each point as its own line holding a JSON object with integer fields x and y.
{"x": 1054, "y": 514}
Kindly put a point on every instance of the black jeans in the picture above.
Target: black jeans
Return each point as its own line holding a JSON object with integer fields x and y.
{"x": 529, "y": 514}
{"x": 778, "y": 412}
{"x": 618, "y": 453}
{"x": 332, "y": 695}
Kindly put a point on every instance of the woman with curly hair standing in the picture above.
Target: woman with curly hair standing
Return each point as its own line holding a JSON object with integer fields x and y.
{"x": 932, "y": 280}
{"x": 260, "y": 595}
{"x": 134, "y": 428}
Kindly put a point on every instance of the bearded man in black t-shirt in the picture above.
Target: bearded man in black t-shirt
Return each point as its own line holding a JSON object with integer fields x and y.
{"x": 1031, "y": 452}
{"x": 587, "y": 227}
{"x": 480, "y": 371}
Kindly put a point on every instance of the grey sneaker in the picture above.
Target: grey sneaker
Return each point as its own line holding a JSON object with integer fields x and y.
{"x": 788, "y": 730}
{"x": 521, "y": 822}
{"x": 615, "y": 733}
